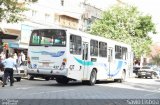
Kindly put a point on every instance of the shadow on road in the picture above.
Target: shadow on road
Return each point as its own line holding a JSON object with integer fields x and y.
{"x": 35, "y": 79}
{"x": 157, "y": 80}
{"x": 104, "y": 82}
{"x": 72, "y": 84}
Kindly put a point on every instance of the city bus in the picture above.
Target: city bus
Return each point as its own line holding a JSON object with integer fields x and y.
{"x": 72, "y": 55}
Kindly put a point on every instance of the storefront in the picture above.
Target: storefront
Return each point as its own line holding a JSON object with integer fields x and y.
{"x": 10, "y": 41}
{"x": 15, "y": 47}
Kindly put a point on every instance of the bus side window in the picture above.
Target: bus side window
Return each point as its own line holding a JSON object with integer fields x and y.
{"x": 75, "y": 44}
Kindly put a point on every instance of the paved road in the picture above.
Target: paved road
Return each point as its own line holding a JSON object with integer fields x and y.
{"x": 40, "y": 89}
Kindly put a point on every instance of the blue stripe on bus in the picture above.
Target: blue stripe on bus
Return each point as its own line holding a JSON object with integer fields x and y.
{"x": 89, "y": 63}
{"x": 52, "y": 54}
{"x": 118, "y": 68}
{"x": 82, "y": 62}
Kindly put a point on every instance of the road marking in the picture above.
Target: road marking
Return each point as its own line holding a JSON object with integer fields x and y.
{"x": 126, "y": 87}
{"x": 24, "y": 88}
{"x": 154, "y": 92}
{"x": 52, "y": 91}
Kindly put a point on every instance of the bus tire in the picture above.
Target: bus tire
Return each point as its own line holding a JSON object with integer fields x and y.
{"x": 123, "y": 77}
{"x": 62, "y": 80}
{"x": 30, "y": 77}
{"x": 85, "y": 82}
{"x": 93, "y": 78}
{"x": 47, "y": 78}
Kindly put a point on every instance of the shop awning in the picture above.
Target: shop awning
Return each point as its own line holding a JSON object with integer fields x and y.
{"x": 6, "y": 33}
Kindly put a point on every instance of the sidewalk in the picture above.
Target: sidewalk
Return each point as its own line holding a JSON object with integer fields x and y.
{"x": 143, "y": 81}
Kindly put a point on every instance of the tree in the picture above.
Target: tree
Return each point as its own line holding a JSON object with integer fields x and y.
{"x": 128, "y": 25}
{"x": 156, "y": 59}
{"x": 155, "y": 54}
{"x": 11, "y": 10}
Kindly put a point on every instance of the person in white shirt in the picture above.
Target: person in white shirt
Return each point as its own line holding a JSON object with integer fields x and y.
{"x": 15, "y": 56}
{"x": 9, "y": 64}
{"x": 3, "y": 55}
{"x": 19, "y": 59}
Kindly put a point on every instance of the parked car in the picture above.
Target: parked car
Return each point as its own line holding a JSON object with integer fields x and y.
{"x": 157, "y": 73}
{"x": 136, "y": 69}
{"x": 18, "y": 74}
{"x": 146, "y": 72}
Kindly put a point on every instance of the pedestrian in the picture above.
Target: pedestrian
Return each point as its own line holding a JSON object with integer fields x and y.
{"x": 19, "y": 60}
{"x": 1, "y": 64}
{"x": 9, "y": 64}
{"x": 3, "y": 56}
{"x": 23, "y": 58}
{"x": 15, "y": 56}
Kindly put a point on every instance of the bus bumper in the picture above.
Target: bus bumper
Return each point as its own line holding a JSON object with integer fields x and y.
{"x": 47, "y": 72}
{"x": 63, "y": 72}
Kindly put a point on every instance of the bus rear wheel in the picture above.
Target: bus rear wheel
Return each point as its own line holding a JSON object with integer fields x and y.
{"x": 123, "y": 78}
{"x": 30, "y": 77}
{"x": 62, "y": 80}
{"x": 47, "y": 78}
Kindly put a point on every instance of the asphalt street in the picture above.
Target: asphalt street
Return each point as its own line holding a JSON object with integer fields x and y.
{"x": 133, "y": 88}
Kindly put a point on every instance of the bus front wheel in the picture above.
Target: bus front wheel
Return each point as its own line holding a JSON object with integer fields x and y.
{"x": 122, "y": 79}
{"x": 93, "y": 77}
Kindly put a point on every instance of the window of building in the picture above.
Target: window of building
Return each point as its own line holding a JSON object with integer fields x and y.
{"x": 75, "y": 44}
{"x": 94, "y": 48}
{"x": 34, "y": 12}
{"x": 62, "y": 2}
{"x": 118, "y": 52}
{"x": 47, "y": 17}
{"x": 102, "y": 49}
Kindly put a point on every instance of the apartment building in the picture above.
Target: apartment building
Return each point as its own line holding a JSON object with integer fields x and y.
{"x": 75, "y": 14}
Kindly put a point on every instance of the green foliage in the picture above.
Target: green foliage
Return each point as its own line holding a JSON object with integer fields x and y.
{"x": 128, "y": 25}
{"x": 11, "y": 10}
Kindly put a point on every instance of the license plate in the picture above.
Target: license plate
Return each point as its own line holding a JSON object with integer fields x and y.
{"x": 143, "y": 73}
{"x": 45, "y": 64}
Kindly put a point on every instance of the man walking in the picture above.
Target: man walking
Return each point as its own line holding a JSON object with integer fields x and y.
{"x": 9, "y": 64}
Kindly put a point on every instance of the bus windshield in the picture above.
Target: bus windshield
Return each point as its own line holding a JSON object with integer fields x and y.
{"x": 49, "y": 37}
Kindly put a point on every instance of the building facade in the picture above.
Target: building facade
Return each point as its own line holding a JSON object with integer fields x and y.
{"x": 46, "y": 14}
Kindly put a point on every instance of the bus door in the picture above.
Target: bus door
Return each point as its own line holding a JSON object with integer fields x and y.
{"x": 110, "y": 61}
{"x": 85, "y": 59}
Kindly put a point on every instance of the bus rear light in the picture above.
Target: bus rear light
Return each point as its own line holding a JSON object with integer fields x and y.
{"x": 64, "y": 60}
{"x": 63, "y": 64}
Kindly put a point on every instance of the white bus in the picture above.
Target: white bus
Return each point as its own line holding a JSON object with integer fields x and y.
{"x": 67, "y": 55}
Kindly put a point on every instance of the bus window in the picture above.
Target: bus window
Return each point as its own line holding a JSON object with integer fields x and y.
{"x": 52, "y": 37}
{"x": 75, "y": 44}
{"x": 124, "y": 53}
{"x": 94, "y": 48}
{"x": 102, "y": 49}
{"x": 118, "y": 52}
